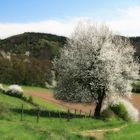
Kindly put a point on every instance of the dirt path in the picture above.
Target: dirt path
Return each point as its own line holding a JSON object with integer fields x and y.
{"x": 49, "y": 97}
{"x": 99, "y": 133}
{"x": 136, "y": 101}
{"x": 84, "y": 107}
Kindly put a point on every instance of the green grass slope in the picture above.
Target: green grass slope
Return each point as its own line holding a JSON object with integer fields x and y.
{"x": 54, "y": 128}
{"x": 129, "y": 133}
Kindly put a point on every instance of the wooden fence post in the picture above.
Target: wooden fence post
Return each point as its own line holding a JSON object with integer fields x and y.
{"x": 21, "y": 117}
{"x": 49, "y": 114}
{"x": 75, "y": 113}
{"x": 38, "y": 114}
{"x": 68, "y": 116}
{"x": 85, "y": 114}
{"x": 80, "y": 112}
{"x": 59, "y": 114}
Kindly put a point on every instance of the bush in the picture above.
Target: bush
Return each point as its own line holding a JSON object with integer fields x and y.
{"x": 30, "y": 99}
{"x": 15, "y": 90}
{"x": 136, "y": 88}
{"x": 108, "y": 114}
{"x": 25, "y": 98}
{"x": 122, "y": 108}
{"x": 121, "y": 111}
{"x": 2, "y": 88}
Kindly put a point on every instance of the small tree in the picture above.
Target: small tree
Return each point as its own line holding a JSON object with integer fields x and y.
{"x": 95, "y": 64}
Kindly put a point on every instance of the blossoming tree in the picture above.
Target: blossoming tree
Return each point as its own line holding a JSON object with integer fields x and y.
{"x": 95, "y": 64}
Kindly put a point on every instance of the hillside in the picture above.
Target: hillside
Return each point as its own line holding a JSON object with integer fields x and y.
{"x": 27, "y": 58}
{"x": 136, "y": 43}
{"x": 42, "y": 45}
{"x": 39, "y": 45}
{"x": 52, "y": 123}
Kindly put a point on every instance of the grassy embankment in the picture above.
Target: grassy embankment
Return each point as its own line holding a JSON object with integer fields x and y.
{"x": 11, "y": 128}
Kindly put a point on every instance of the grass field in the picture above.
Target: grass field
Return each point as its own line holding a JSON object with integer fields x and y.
{"x": 11, "y": 128}
{"x": 132, "y": 132}
{"x": 41, "y": 102}
{"x": 36, "y": 89}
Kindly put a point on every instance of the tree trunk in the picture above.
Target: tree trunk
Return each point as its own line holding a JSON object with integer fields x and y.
{"x": 99, "y": 105}
{"x": 98, "y": 108}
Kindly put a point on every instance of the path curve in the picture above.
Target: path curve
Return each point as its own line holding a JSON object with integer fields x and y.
{"x": 48, "y": 96}
{"x": 99, "y": 133}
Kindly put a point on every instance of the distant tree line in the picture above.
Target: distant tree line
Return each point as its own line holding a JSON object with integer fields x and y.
{"x": 26, "y": 58}
{"x": 25, "y": 71}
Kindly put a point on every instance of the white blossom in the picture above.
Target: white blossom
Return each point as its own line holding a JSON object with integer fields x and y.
{"x": 27, "y": 53}
{"x": 132, "y": 111}
{"x": 95, "y": 64}
{"x": 15, "y": 89}
{"x": 6, "y": 55}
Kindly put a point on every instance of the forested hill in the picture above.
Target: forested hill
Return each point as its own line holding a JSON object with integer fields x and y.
{"x": 27, "y": 58}
{"x": 42, "y": 45}
{"x": 38, "y": 45}
{"x": 136, "y": 43}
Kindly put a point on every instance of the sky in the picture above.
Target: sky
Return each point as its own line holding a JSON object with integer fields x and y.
{"x": 61, "y": 16}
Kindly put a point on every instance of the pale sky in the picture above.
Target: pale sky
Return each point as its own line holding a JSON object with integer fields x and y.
{"x": 61, "y": 16}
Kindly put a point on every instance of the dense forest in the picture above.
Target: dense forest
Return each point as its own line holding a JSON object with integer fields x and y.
{"x": 136, "y": 43}
{"x": 39, "y": 45}
{"x": 27, "y": 58}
